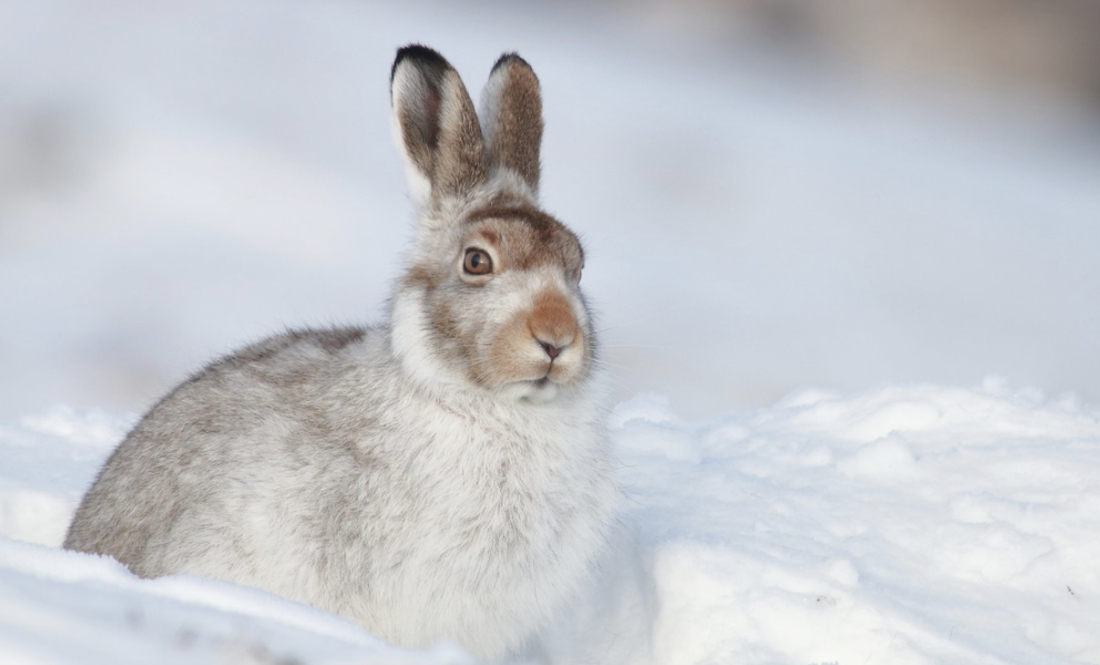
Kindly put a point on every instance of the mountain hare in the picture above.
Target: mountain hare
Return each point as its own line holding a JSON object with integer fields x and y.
{"x": 444, "y": 476}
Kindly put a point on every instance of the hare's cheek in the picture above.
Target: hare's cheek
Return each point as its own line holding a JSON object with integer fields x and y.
{"x": 514, "y": 355}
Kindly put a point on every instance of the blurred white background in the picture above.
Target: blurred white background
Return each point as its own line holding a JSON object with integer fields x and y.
{"x": 774, "y": 194}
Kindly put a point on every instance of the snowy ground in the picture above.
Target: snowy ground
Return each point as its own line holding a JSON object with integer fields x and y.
{"x": 176, "y": 179}
{"x": 912, "y": 525}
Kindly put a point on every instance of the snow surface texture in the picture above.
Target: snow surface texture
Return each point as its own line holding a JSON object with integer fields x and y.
{"x": 911, "y": 525}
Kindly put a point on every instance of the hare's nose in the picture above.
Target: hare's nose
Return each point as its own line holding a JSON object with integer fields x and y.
{"x": 552, "y": 324}
{"x": 551, "y": 350}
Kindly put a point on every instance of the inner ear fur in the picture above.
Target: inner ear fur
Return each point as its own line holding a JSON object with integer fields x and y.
{"x": 512, "y": 118}
{"x": 437, "y": 124}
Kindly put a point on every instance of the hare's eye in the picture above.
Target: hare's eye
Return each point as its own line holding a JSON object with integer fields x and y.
{"x": 477, "y": 262}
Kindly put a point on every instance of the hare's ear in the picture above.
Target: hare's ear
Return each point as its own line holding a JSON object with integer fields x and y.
{"x": 436, "y": 126}
{"x": 511, "y": 115}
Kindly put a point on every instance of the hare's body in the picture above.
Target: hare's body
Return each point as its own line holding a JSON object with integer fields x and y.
{"x": 310, "y": 466}
{"x": 440, "y": 477}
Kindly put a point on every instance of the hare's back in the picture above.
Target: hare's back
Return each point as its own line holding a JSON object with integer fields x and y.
{"x": 200, "y": 458}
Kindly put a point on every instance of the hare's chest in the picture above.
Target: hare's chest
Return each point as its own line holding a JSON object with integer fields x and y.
{"x": 501, "y": 480}
{"x": 494, "y": 522}
{"x": 501, "y": 472}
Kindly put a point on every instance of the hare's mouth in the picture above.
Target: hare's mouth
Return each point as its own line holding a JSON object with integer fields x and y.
{"x": 539, "y": 390}
{"x": 542, "y": 390}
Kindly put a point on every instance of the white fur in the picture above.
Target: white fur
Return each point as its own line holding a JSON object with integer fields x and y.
{"x": 420, "y": 187}
{"x": 489, "y": 109}
{"x": 507, "y": 180}
{"x": 403, "y": 87}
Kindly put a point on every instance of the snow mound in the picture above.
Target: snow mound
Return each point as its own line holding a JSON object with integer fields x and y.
{"x": 907, "y": 525}
{"x": 913, "y": 524}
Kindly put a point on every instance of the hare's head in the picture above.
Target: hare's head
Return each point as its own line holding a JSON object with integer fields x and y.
{"x": 491, "y": 297}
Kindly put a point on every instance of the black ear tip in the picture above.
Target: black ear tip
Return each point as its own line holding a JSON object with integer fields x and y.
{"x": 507, "y": 58}
{"x": 420, "y": 54}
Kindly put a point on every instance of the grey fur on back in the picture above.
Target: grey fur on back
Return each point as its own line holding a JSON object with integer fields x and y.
{"x": 442, "y": 476}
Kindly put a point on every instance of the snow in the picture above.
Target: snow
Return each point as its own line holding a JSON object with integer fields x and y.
{"x": 906, "y": 525}
{"x": 916, "y": 524}
{"x": 179, "y": 178}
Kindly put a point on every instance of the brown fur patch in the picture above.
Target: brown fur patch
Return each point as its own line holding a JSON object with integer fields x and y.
{"x": 421, "y": 276}
{"x": 446, "y": 331}
{"x": 335, "y": 339}
{"x": 539, "y": 239}
{"x": 492, "y": 236}
{"x": 461, "y": 163}
{"x": 516, "y": 133}
{"x": 551, "y": 320}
